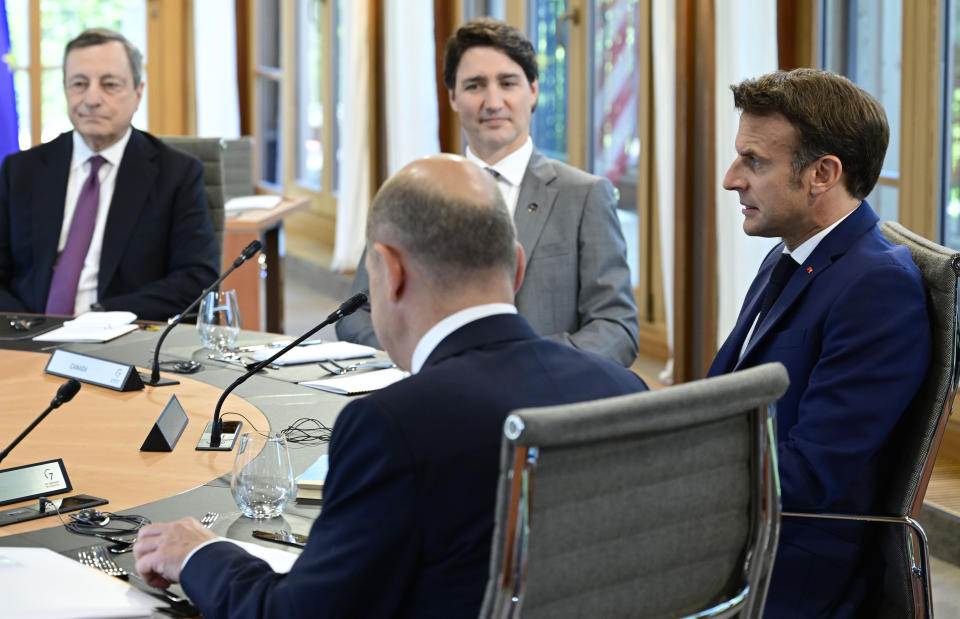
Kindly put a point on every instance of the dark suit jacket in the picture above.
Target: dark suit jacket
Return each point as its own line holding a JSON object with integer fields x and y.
{"x": 408, "y": 509}
{"x": 851, "y": 327}
{"x": 159, "y": 251}
{"x": 577, "y": 286}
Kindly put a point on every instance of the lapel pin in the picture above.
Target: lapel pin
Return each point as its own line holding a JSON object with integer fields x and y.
{"x": 809, "y": 269}
{"x": 532, "y": 207}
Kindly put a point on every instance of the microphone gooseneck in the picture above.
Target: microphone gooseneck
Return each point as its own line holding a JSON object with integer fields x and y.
{"x": 347, "y": 307}
{"x": 248, "y": 252}
{"x": 64, "y": 394}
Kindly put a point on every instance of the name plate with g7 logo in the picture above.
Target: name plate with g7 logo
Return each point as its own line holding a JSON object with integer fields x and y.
{"x": 109, "y": 374}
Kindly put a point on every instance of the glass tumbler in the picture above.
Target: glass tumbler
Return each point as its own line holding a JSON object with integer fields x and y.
{"x": 219, "y": 321}
{"x": 262, "y": 475}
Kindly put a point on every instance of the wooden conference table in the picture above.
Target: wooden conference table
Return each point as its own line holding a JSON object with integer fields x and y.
{"x": 98, "y": 434}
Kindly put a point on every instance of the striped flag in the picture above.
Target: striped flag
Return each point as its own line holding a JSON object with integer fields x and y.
{"x": 615, "y": 126}
{"x": 8, "y": 98}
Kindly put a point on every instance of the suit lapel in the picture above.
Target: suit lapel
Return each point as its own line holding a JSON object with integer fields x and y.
{"x": 830, "y": 249}
{"x": 50, "y": 180}
{"x": 534, "y": 202}
{"x": 135, "y": 178}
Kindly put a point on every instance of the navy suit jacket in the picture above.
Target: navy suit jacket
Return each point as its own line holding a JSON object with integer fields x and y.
{"x": 576, "y": 288}
{"x": 852, "y": 329}
{"x": 159, "y": 250}
{"x": 408, "y": 509}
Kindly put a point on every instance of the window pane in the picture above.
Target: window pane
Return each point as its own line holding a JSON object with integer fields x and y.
{"x": 268, "y": 130}
{"x": 309, "y": 94}
{"x": 61, "y": 21}
{"x": 22, "y": 87}
{"x": 549, "y": 123}
{"x": 614, "y": 143}
{"x": 884, "y": 199}
{"x": 951, "y": 216}
{"x": 862, "y": 40}
{"x": 268, "y": 33}
{"x": 53, "y": 106}
{"x": 18, "y": 22}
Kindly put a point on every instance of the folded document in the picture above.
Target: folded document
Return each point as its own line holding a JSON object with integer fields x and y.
{"x": 91, "y": 327}
{"x": 317, "y": 352}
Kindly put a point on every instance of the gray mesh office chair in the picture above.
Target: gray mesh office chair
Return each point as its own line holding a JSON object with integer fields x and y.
{"x": 210, "y": 153}
{"x": 657, "y": 504}
{"x": 899, "y": 541}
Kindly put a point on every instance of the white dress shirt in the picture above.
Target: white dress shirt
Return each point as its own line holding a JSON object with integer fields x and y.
{"x": 451, "y": 323}
{"x": 510, "y": 171}
{"x": 79, "y": 170}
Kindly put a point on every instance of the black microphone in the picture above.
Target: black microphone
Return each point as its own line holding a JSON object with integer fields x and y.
{"x": 216, "y": 426}
{"x": 154, "y": 381}
{"x": 64, "y": 394}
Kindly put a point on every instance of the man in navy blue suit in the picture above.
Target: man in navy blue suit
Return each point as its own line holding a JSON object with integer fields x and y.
{"x": 143, "y": 243}
{"x": 408, "y": 509}
{"x": 843, "y": 309}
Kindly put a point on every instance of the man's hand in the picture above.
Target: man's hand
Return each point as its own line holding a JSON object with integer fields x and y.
{"x": 161, "y": 549}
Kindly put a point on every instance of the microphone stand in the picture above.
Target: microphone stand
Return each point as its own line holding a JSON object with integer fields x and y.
{"x": 213, "y": 443}
{"x": 64, "y": 394}
{"x": 154, "y": 379}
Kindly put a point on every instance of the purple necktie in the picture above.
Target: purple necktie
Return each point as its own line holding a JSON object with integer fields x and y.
{"x": 66, "y": 275}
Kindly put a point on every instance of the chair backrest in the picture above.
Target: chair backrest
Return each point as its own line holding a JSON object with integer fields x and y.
{"x": 917, "y": 438}
{"x": 912, "y": 452}
{"x": 237, "y": 167}
{"x": 663, "y": 503}
{"x": 210, "y": 153}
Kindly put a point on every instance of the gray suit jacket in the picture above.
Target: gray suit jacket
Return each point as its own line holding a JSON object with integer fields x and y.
{"x": 577, "y": 285}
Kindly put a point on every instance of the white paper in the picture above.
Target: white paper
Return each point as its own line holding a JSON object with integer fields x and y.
{"x": 280, "y": 560}
{"x": 39, "y": 583}
{"x": 358, "y": 382}
{"x": 91, "y": 327}
{"x": 318, "y": 352}
{"x": 251, "y": 203}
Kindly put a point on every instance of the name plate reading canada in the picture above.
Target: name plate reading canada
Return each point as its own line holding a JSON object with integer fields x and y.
{"x": 87, "y": 369}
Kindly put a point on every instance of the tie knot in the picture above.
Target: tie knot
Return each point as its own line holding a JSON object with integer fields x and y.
{"x": 95, "y": 162}
{"x": 496, "y": 175}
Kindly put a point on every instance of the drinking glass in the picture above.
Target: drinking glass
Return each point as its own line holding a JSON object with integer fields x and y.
{"x": 219, "y": 320}
{"x": 262, "y": 475}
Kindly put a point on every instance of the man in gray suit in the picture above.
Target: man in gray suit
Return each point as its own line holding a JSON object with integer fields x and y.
{"x": 577, "y": 285}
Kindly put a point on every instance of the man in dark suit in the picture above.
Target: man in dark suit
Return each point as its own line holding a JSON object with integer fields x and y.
{"x": 577, "y": 285}
{"x": 105, "y": 216}
{"x": 850, "y": 323}
{"x": 407, "y": 519}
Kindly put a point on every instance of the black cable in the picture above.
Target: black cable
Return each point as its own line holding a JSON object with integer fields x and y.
{"x": 135, "y": 523}
{"x": 244, "y": 418}
{"x": 307, "y": 431}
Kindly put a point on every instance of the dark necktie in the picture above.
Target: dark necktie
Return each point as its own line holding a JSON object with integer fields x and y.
{"x": 778, "y": 279}
{"x": 496, "y": 175}
{"x": 66, "y": 275}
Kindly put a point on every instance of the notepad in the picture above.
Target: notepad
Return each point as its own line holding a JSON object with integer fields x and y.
{"x": 91, "y": 327}
{"x": 358, "y": 382}
{"x": 251, "y": 203}
{"x": 310, "y": 482}
{"x": 318, "y": 352}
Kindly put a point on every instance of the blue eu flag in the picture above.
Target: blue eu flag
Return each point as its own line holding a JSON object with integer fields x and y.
{"x": 8, "y": 99}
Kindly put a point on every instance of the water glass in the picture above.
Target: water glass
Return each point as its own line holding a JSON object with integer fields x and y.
{"x": 219, "y": 320}
{"x": 262, "y": 475}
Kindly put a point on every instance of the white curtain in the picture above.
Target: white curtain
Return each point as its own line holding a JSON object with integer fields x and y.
{"x": 354, "y": 199}
{"x": 411, "y": 97}
{"x": 664, "y": 15}
{"x": 215, "y": 68}
{"x": 746, "y": 46}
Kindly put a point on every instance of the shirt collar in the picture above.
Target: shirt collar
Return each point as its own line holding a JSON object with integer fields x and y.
{"x": 113, "y": 153}
{"x": 451, "y": 323}
{"x": 512, "y": 167}
{"x": 803, "y": 251}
